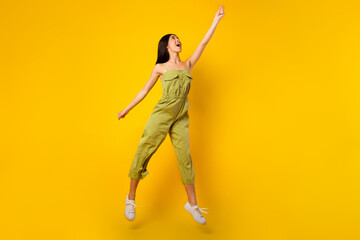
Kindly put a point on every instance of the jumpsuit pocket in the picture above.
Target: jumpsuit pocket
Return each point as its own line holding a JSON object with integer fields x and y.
{"x": 188, "y": 75}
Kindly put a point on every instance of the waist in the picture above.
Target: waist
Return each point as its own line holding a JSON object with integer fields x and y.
{"x": 173, "y": 97}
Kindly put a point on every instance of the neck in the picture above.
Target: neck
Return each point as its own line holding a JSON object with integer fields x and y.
{"x": 174, "y": 58}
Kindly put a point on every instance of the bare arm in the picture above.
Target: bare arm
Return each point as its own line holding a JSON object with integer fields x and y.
{"x": 199, "y": 50}
{"x": 143, "y": 92}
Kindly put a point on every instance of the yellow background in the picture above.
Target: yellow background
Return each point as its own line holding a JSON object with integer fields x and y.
{"x": 274, "y": 120}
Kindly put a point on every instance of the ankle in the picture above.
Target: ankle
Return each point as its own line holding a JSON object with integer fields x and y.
{"x": 131, "y": 197}
{"x": 192, "y": 203}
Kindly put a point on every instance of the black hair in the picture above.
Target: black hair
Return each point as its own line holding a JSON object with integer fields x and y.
{"x": 163, "y": 54}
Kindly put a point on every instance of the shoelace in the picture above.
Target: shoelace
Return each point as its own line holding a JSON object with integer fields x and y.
{"x": 131, "y": 203}
{"x": 201, "y": 209}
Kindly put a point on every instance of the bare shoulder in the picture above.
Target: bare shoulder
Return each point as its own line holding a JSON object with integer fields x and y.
{"x": 155, "y": 74}
{"x": 159, "y": 68}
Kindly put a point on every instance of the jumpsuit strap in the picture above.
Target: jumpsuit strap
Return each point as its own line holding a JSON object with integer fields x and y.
{"x": 164, "y": 66}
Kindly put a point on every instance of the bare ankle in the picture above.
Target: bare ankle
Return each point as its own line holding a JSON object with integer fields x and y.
{"x": 131, "y": 197}
{"x": 192, "y": 203}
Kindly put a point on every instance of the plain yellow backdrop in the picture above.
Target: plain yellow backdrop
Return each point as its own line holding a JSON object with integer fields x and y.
{"x": 274, "y": 120}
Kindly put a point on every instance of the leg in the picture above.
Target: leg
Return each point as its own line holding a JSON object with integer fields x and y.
{"x": 179, "y": 135}
{"x": 190, "y": 190}
{"x": 154, "y": 134}
{"x": 133, "y": 186}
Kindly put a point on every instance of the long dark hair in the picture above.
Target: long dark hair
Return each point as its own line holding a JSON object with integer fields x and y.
{"x": 163, "y": 54}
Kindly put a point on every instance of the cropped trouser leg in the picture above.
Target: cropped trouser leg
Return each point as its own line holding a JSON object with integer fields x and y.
{"x": 154, "y": 134}
{"x": 179, "y": 135}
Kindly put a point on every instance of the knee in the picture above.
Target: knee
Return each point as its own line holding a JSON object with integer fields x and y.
{"x": 153, "y": 136}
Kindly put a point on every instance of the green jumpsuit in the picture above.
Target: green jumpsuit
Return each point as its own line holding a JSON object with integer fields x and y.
{"x": 170, "y": 115}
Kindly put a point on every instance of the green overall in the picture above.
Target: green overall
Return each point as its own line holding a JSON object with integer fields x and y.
{"x": 170, "y": 115}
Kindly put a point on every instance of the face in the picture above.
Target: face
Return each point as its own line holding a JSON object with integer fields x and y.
{"x": 174, "y": 44}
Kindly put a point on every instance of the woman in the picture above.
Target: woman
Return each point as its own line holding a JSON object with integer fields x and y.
{"x": 170, "y": 115}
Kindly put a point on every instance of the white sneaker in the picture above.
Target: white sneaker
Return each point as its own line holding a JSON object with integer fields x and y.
{"x": 195, "y": 211}
{"x": 130, "y": 208}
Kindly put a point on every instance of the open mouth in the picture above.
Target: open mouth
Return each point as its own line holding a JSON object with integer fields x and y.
{"x": 178, "y": 44}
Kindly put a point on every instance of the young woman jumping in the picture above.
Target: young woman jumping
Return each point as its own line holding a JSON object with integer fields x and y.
{"x": 170, "y": 115}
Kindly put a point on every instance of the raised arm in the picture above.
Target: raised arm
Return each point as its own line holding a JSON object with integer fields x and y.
{"x": 200, "y": 48}
{"x": 155, "y": 74}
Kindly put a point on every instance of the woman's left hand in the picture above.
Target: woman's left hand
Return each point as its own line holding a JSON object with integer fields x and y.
{"x": 220, "y": 13}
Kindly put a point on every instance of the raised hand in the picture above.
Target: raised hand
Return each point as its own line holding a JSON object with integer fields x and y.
{"x": 220, "y": 13}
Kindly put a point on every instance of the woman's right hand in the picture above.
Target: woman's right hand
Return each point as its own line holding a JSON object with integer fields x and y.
{"x": 122, "y": 114}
